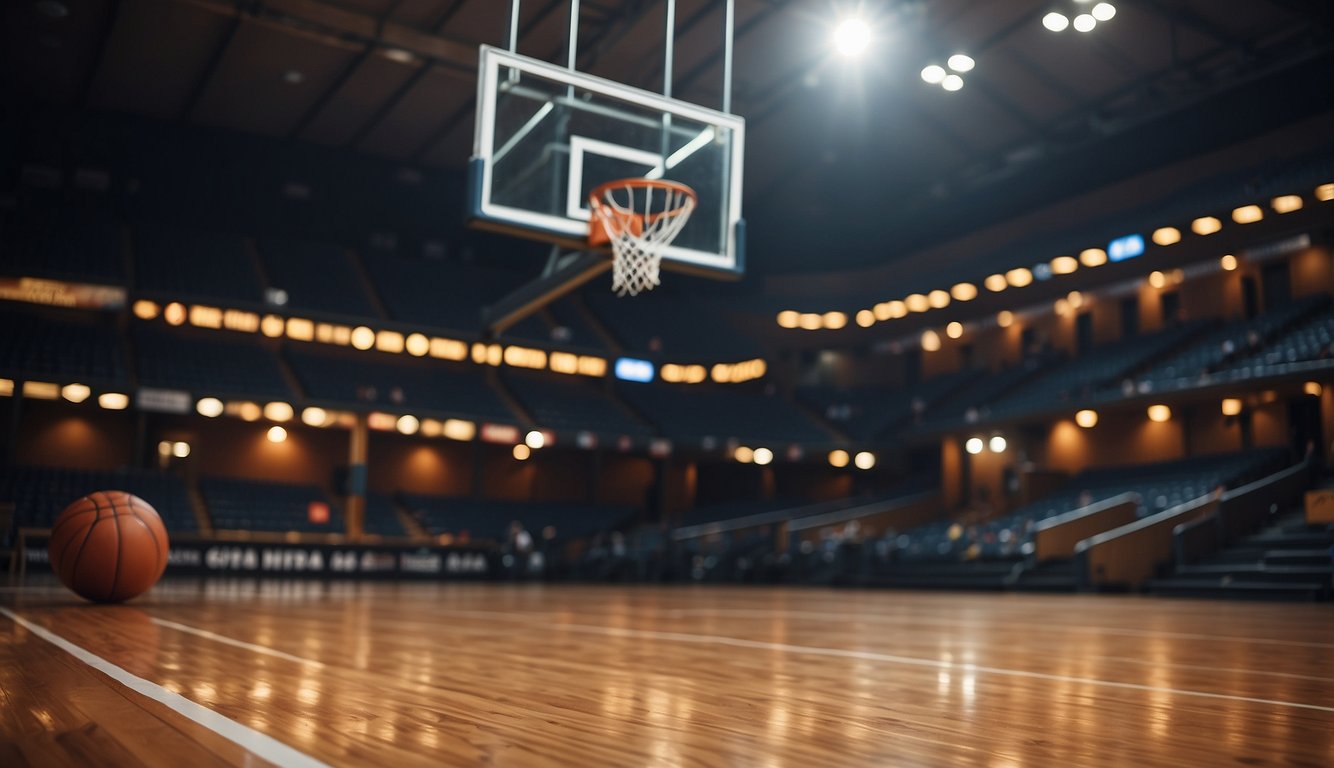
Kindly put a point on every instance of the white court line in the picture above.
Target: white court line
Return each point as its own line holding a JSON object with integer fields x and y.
{"x": 259, "y": 744}
{"x": 749, "y": 613}
{"x": 881, "y": 619}
{"x": 237, "y": 643}
{"x": 888, "y": 658}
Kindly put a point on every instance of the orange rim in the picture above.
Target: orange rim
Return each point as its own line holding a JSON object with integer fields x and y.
{"x": 597, "y": 230}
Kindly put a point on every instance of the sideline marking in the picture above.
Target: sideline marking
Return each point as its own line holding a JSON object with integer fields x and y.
{"x": 259, "y": 744}
{"x": 204, "y": 633}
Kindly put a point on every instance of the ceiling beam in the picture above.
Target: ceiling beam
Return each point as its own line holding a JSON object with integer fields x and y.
{"x": 211, "y": 66}
{"x": 95, "y": 64}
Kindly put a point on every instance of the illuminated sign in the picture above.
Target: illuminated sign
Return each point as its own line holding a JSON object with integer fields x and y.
{"x": 631, "y": 369}
{"x": 1127, "y": 247}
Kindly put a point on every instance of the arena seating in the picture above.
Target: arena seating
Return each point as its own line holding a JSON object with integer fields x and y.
{"x": 867, "y": 413}
{"x": 1231, "y": 342}
{"x": 1080, "y": 378}
{"x": 693, "y": 413}
{"x": 574, "y": 328}
{"x": 458, "y": 389}
{"x": 40, "y": 494}
{"x": 78, "y": 243}
{"x": 569, "y": 404}
{"x": 435, "y": 293}
{"x": 486, "y": 520}
{"x": 673, "y": 327}
{"x": 1160, "y": 486}
{"x": 382, "y": 517}
{"x": 317, "y": 277}
{"x": 214, "y": 364}
{"x": 177, "y": 263}
{"x": 972, "y": 401}
{"x": 73, "y": 347}
{"x": 1310, "y": 340}
{"x": 251, "y": 505}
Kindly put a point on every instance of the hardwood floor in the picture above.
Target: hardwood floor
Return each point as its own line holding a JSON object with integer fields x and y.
{"x": 440, "y": 674}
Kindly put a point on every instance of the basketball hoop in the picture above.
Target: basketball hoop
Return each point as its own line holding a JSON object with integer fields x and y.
{"x": 639, "y": 218}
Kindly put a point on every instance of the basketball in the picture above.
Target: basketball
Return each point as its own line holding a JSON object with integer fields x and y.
{"x": 108, "y": 546}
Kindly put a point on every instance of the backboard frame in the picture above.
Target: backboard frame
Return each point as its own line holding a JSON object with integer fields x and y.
{"x": 571, "y": 230}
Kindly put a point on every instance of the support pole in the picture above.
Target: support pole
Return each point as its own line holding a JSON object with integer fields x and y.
{"x": 667, "y": 55}
{"x": 572, "y": 47}
{"x": 514, "y": 26}
{"x": 729, "y": 27}
{"x": 358, "y": 449}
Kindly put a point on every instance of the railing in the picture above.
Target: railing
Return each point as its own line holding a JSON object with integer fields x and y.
{"x": 1130, "y": 555}
{"x": 1240, "y": 511}
{"x": 1055, "y": 538}
{"x": 875, "y": 518}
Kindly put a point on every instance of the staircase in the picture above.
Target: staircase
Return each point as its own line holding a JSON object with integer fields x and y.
{"x": 1288, "y": 560}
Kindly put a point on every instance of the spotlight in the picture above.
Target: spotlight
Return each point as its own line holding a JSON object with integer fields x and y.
{"x": 933, "y": 74}
{"x": 997, "y": 444}
{"x": 763, "y": 456}
{"x": 954, "y": 330}
{"x": 1159, "y": 413}
{"x": 743, "y": 454}
{"x": 1056, "y": 22}
{"x": 974, "y": 445}
{"x": 865, "y": 318}
{"x": 1087, "y": 419}
{"x": 930, "y": 341}
{"x": 864, "y": 460}
{"x": 210, "y": 407}
{"x": 852, "y": 36}
{"x": 1085, "y": 23}
{"x": 1228, "y": 262}
{"x": 535, "y": 439}
{"x": 522, "y": 452}
{"x": 1231, "y": 406}
{"x": 838, "y": 458}
{"x": 952, "y": 83}
{"x": 1103, "y": 11}
{"x": 277, "y": 434}
{"x": 961, "y": 62}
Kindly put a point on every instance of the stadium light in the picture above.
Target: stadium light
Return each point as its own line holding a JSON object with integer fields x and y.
{"x": 1085, "y": 22}
{"x": 522, "y": 452}
{"x": 838, "y": 458}
{"x": 1248, "y": 214}
{"x": 114, "y": 401}
{"x": 76, "y": 393}
{"x": 763, "y": 456}
{"x": 1231, "y": 406}
{"x": 961, "y": 62}
{"x": 1103, "y": 11}
{"x": 974, "y": 445}
{"x": 743, "y": 454}
{"x": 952, "y": 83}
{"x": 1056, "y": 22}
{"x": 852, "y": 37}
{"x": 1228, "y": 262}
{"x": 864, "y": 460}
{"x": 1159, "y": 413}
{"x": 997, "y": 444}
{"x": 535, "y": 439}
{"x": 276, "y": 434}
{"x": 933, "y": 74}
{"x": 1088, "y": 419}
{"x": 1206, "y": 225}
{"x": 210, "y": 407}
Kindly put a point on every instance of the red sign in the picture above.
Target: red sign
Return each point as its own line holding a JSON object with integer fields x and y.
{"x": 317, "y": 512}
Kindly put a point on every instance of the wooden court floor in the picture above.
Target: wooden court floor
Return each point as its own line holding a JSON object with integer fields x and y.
{"x": 304, "y": 673}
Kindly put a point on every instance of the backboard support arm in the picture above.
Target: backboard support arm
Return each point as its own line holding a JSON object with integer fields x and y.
{"x": 561, "y": 275}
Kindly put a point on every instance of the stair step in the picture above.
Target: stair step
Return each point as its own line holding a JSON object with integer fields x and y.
{"x": 1293, "y": 590}
{"x": 1297, "y": 557}
{"x": 1268, "y": 540}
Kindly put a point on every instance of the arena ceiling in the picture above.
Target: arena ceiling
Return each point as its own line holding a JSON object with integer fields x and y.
{"x": 863, "y": 147}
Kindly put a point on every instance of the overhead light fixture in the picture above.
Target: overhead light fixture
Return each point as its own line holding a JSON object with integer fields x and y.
{"x": 1166, "y": 236}
{"x": 1286, "y": 203}
{"x": 810, "y": 321}
{"x": 1056, "y": 22}
{"x": 1228, "y": 262}
{"x": 1324, "y": 193}
{"x": 1005, "y": 318}
{"x": 1313, "y": 388}
{"x": 964, "y": 292}
{"x": 521, "y": 452}
{"x": 974, "y": 445}
{"x": 1085, "y": 22}
{"x": 835, "y": 320}
{"x": 930, "y": 341}
{"x": 864, "y": 460}
{"x": 897, "y": 309}
{"x": 408, "y": 424}
{"x": 1206, "y": 225}
{"x": 838, "y": 458}
{"x": 314, "y": 417}
{"x": 1231, "y": 406}
{"x": 1159, "y": 413}
{"x": 865, "y": 318}
{"x": 535, "y": 439}
{"x": 1248, "y": 214}
{"x": 763, "y": 456}
{"x": 933, "y": 74}
{"x": 1093, "y": 257}
{"x": 180, "y": 449}
{"x": 1019, "y": 277}
{"x": 917, "y": 303}
{"x": 1157, "y": 279}
{"x": 938, "y": 299}
{"x": 788, "y": 318}
{"x": 113, "y": 401}
{"x": 995, "y": 283}
{"x": 1088, "y": 419}
{"x": 852, "y": 36}
{"x": 278, "y": 411}
{"x": 743, "y": 454}
{"x": 76, "y": 393}
{"x": 1064, "y": 265}
{"x": 276, "y": 434}
{"x": 952, "y": 83}
{"x": 210, "y": 407}
{"x": 961, "y": 62}
{"x": 1076, "y": 299}
{"x": 954, "y": 330}
{"x": 997, "y": 444}
{"x": 1103, "y": 11}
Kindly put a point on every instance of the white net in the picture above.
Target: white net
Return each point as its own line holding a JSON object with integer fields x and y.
{"x": 641, "y": 219}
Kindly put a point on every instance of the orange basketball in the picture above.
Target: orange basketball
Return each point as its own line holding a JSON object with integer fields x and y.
{"x": 108, "y": 546}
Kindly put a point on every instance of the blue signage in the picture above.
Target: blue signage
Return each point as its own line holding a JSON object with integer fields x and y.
{"x": 631, "y": 369}
{"x": 1127, "y": 247}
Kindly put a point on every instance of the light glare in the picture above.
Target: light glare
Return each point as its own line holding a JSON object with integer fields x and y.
{"x": 933, "y": 74}
{"x": 1104, "y": 11}
{"x": 961, "y": 62}
{"x": 952, "y": 83}
{"x": 1056, "y": 22}
{"x": 852, "y": 36}
{"x": 1085, "y": 23}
